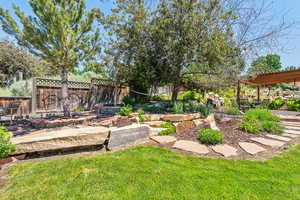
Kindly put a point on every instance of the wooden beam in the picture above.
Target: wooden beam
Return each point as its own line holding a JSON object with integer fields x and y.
{"x": 238, "y": 93}
{"x": 258, "y": 93}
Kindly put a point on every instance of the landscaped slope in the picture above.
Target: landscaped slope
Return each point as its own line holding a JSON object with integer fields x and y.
{"x": 154, "y": 173}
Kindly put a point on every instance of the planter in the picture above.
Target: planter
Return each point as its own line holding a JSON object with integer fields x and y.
{"x": 4, "y": 161}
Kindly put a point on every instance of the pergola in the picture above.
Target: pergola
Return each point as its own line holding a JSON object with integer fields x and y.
{"x": 288, "y": 76}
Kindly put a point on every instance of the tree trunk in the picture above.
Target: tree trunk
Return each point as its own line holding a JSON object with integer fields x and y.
{"x": 175, "y": 92}
{"x": 65, "y": 93}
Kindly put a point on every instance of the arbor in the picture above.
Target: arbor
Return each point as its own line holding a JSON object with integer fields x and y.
{"x": 14, "y": 59}
{"x": 60, "y": 32}
{"x": 265, "y": 64}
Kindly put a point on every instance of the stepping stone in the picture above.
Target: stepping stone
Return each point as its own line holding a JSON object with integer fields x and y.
{"x": 163, "y": 139}
{"x": 291, "y": 123}
{"x": 191, "y": 146}
{"x": 268, "y": 142}
{"x": 290, "y": 135}
{"x": 292, "y": 128}
{"x": 292, "y": 132}
{"x": 155, "y": 131}
{"x": 277, "y": 137}
{"x": 225, "y": 150}
{"x": 251, "y": 148}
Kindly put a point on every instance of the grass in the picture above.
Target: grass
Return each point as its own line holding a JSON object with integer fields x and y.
{"x": 152, "y": 173}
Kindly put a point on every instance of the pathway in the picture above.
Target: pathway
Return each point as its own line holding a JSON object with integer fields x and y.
{"x": 253, "y": 147}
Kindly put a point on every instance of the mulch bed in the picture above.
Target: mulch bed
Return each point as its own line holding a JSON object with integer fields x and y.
{"x": 232, "y": 134}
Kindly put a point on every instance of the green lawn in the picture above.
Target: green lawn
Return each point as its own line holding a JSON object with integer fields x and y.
{"x": 152, "y": 173}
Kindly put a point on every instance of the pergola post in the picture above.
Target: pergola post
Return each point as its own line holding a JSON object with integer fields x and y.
{"x": 238, "y": 93}
{"x": 258, "y": 93}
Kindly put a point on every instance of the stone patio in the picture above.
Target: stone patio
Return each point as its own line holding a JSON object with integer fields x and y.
{"x": 191, "y": 146}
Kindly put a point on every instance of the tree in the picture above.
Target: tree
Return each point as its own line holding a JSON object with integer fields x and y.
{"x": 14, "y": 59}
{"x": 161, "y": 45}
{"x": 265, "y": 64}
{"x": 60, "y": 32}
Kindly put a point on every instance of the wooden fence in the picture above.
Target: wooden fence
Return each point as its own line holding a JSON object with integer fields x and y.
{"x": 46, "y": 96}
{"x": 15, "y": 105}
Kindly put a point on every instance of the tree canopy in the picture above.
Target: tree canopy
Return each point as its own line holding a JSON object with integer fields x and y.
{"x": 265, "y": 64}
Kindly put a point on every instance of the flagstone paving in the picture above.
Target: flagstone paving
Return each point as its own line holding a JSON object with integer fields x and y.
{"x": 277, "y": 137}
{"x": 296, "y": 128}
{"x": 191, "y": 146}
{"x": 225, "y": 150}
{"x": 163, "y": 139}
{"x": 290, "y": 135}
{"x": 268, "y": 142}
{"x": 292, "y": 132}
{"x": 251, "y": 148}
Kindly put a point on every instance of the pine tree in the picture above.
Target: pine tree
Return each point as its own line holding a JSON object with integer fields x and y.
{"x": 60, "y": 32}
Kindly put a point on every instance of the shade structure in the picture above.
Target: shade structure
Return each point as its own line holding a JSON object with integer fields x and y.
{"x": 287, "y": 76}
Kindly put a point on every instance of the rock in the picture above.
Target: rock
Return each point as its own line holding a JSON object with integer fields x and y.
{"x": 151, "y": 117}
{"x": 4, "y": 161}
{"x": 211, "y": 121}
{"x": 39, "y": 123}
{"x": 177, "y": 117}
{"x": 12, "y": 128}
{"x": 292, "y": 132}
{"x": 128, "y": 135}
{"x": 155, "y": 124}
{"x": 197, "y": 115}
{"x": 225, "y": 119}
{"x": 225, "y": 150}
{"x": 290, "y": 135}
{"x": 198, "y": 122}
{"x": 251, "y": 148}
{"x": 277, "y": 137}
{"x": 295, "y": 128}
{"x": 61, "y": 139}
{"x": 155, "y": 131}
{"x": 133, "y": 115}
{"x": 181, "y": 126}
{"x": 163, "y": 139}
{"x": 267, "y": 142}
{"x": 191, "y": 146}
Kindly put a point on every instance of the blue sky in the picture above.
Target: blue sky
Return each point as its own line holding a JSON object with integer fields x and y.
{"x": 290, "y": 56}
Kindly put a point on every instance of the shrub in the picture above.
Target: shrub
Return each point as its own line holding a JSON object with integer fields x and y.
{"x": 210, "y": 136}
{"x": 6, "y": 147}
{"x": 127, "y": 100}
{"x": 177, "y": 108}
{"x": 204, "y": 110}
{"x": 78, "y": 109}
{"x": 167, "y": 125}
{"x": 276, "y": 104}
{"x": 167, "y": 131}
{"x": 191, "y": 106}
{"x": 140, "y": 115}
{"x": 258, "y": 119}
{"x": 156, "y": 108}
{"x": 271, "y": 127}
{"x": 232, "y": 111}
{"x": 125, "y": 110}
{"x": 156, "y": 98}
{"x": 293, "y": 105}
{"x": 188, "y": 96}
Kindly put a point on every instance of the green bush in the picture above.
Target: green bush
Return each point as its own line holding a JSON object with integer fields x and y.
{"x": 127, "y": 100}
{"x": 140, "y": 115}
{"x": 210, "y": 136}
{"x": 258, "y": 119}
{"x": 177, "y": 108}
{"x": 6, "y": 146}
{"x": 156, "y": 108}
{"x": 293, "y": 105}
{"x": 276, "y": 104}
{"x": 204, "y": 110}
{"x": 271, "y": 127}
{"x": 78, "y": 110}
{"x": 156, "y": 98}
{"x": 167, "y": 125}
{"x": 125, "y": 110}
{"x": 167, "y": 131}
{"x": 232, "y": 111}
{"x": 191, "y": 106}
{"x": 188, "y": 96}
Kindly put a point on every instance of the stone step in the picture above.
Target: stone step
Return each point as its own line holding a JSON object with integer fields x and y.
{"x": 292, "y": 128}
{"x": 291, "y": 124}
{"x": 292, "y": 132}
{"x": 277, "y": 137}
{"x": 251, "y": 148}
{"x": 290, "y": 135}
{"x": 155, "y": 124}
{"x": 163, "y": 139}
{"x": 268, "y": 142}
{"x": 155, "y": 131}
{"x": 191, "y": 146}
{"x": 60, "y": 139}
{"x": 225, "y": 150}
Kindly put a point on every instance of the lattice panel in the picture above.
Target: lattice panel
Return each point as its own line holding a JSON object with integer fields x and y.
{"x": 102, "y": 82}
{"x": 57, "y": 84}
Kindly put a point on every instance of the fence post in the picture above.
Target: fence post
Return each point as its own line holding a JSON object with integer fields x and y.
{"x": 33, "y": 97}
